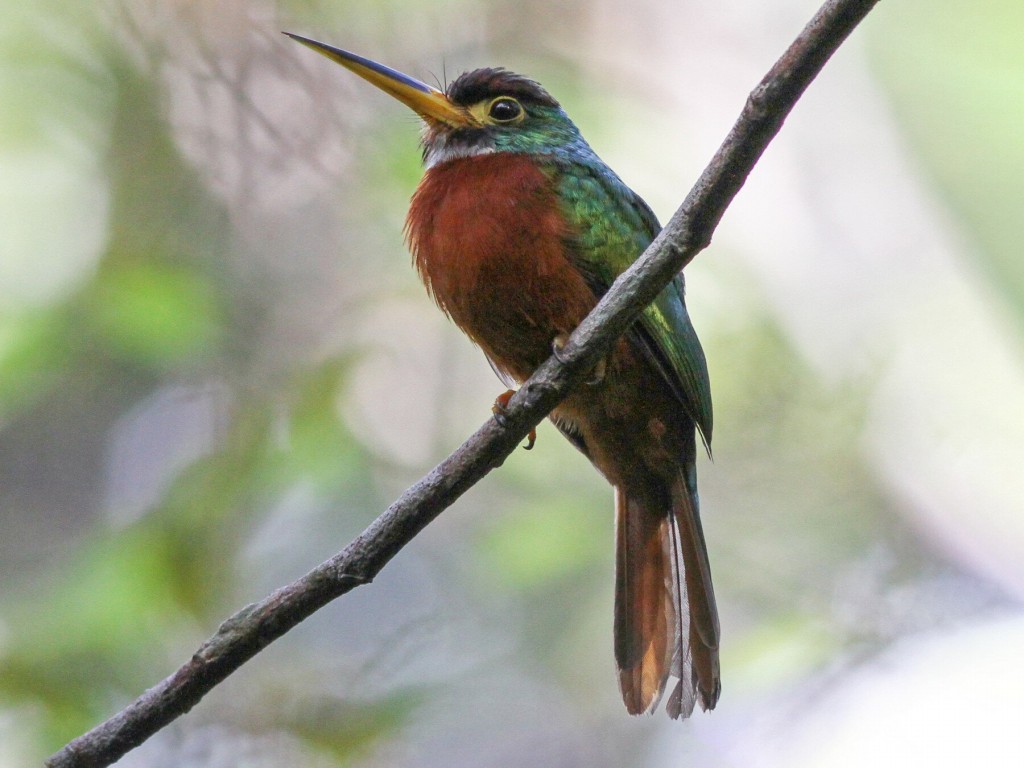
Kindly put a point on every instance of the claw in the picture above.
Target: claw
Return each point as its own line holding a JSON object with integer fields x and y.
{"x": 558, "y": 344}
{"x": 500, "y": 407}
{"x": 598, "y": 373}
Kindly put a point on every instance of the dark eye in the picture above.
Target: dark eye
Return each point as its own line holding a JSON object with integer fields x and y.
{"x": 504, "y": 110}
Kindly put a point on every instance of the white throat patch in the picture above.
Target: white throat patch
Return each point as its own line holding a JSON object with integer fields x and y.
{"x": 442, "y": 152}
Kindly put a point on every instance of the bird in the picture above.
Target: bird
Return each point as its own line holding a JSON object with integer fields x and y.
{"x": 517, "y": 229}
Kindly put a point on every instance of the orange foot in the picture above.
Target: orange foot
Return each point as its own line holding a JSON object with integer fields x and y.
{"x": 501, "y": 406}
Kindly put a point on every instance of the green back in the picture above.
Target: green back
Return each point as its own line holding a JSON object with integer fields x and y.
{"x": 613, "y": 226}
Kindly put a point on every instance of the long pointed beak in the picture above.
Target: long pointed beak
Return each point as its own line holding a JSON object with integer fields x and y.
{"x": 428, "y": 102}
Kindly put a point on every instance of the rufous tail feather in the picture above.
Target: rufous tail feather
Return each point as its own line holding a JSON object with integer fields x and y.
{"x": 666, "y": 620}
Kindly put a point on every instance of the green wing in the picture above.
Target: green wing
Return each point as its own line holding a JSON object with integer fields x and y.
{"x": 611, "y": 227}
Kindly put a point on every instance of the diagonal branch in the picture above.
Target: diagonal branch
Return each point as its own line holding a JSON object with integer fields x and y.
{"x": 688, "y": 232}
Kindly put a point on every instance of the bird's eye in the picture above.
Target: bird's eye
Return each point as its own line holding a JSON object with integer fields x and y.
{"x": 504, "y": 110}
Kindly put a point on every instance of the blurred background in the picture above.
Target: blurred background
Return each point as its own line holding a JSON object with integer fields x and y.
{"x": 217, "y": 366}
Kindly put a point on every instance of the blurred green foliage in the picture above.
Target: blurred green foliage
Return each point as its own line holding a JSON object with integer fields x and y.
{"x": 955, "y": 78}
{"x": 204, "y": 391}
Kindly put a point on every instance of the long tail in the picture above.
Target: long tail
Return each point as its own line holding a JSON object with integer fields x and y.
{"x": 666, "y": 620}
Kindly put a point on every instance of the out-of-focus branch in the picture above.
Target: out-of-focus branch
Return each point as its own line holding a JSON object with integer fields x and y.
{"x": 688, "y": 232}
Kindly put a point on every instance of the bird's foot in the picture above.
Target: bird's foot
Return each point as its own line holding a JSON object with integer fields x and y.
{"x": 499, "y": 409}
{"x": 597, "y": 375}
{"x": 557, "y": 345}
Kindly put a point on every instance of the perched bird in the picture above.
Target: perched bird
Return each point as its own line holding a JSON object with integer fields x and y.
{"x": 517, "y": 229}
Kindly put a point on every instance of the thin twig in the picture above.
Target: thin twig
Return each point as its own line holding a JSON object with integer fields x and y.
{"x": 688, "y": 232}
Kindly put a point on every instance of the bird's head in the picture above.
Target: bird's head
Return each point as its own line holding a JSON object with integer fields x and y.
{"x": 483, "y": 111}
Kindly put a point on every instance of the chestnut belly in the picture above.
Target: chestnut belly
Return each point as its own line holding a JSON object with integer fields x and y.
{"x": 492, "y": 245}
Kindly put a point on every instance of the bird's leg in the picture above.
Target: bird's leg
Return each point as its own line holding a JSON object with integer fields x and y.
{"x": 499, "y": 409}
{"x": 558, "y": 344}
